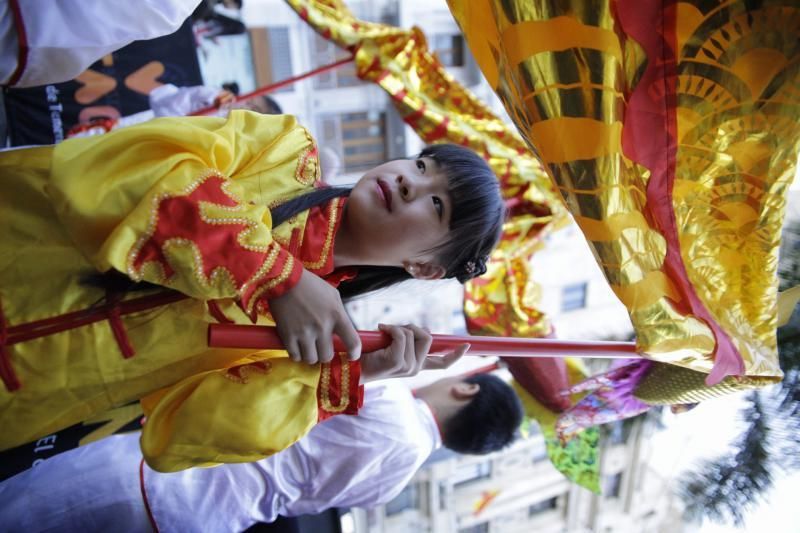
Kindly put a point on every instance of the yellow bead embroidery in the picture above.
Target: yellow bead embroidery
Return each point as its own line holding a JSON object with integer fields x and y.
{"x": 283, "y": 276}
{"x": 333, "y": 208}
{"x": 325, "y": 384}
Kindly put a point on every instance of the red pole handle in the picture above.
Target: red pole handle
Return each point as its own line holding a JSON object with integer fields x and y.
{"x": 266, "y": 338}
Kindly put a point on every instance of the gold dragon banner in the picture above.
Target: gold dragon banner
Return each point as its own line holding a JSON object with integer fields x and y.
{"x": 671, "y": 130}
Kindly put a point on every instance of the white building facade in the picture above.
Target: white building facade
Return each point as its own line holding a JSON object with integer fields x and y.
{"x": 518, "y": 491}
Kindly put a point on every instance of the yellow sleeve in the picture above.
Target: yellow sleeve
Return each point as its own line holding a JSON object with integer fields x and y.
{"x": 183, "y": 202}
{"x": 246, "y": 412}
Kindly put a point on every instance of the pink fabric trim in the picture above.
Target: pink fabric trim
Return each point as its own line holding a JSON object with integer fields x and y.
{"x": 150, "y": 516}
{"x": 7, "y": 373}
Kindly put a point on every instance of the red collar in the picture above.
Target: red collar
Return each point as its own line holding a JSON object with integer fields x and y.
{"x": 316, "y": 249}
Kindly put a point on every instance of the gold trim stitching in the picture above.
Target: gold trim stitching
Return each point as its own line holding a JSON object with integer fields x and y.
{"x": 307, "y": 170}
{"x": 219, "y": 274}
{"x": 266, "y": 266}
{"x": 199, "y": 271}
{"x": 241, "y": 374}
{"x": 323, "y": 258}
{"x": 242, "y": 235}
{"x": 153, "y": 219}
{"x": 287, "y": 270}
{"x": 325, "y": 383}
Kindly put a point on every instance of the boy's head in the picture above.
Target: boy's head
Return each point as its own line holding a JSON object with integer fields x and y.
{"x": 260, "y": 104}
{"x": 477, "y": 414}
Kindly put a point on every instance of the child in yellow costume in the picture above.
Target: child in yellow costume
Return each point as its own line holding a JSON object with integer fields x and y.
{"x": 188, "y": 204}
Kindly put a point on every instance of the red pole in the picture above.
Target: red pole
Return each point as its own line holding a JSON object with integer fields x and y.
{"x": 275, "y": 86}
{"x": 266, "y": 338}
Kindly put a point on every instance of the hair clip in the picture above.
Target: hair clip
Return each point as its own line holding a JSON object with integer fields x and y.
{"x": 469, "y": 267}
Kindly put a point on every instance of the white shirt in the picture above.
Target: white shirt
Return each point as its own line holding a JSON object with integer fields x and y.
{"x": 63, "y": 38}
{"x": 170, "y": 101}
{"x": 362, "y": 460}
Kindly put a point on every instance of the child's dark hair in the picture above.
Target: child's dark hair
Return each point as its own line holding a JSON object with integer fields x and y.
{"x": 478, "y": 210}
{"x": 270, "y": 106}
{"x": 489, "y": 422}
{"x": 231, "y": 86}
{"x": 475, "y": 225}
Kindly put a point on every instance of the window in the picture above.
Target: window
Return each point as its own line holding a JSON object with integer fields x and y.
{"x": 539, "y": 450}
{"x": 272, "y": 56}
{"x": 542, "y": 507}
{"x": 347, "y": 522}
{"x": 324, "y": 52}
{"x": 280, "y": 55}
{"x": 458, "y": 323}
{"x": 483, "y": 527}
{"x": 449, "y": 48}
{"x": 407, "y": 499}
{"x": 443, "y": 496}
{"x": 612, "y": 485}
{"x": 472, "y": 472}
{"x": 360, "y": 138}
{"x": 617, "y": 433}
{"x": 573, "y": 297}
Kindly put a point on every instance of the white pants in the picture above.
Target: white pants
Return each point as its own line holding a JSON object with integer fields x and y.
{"x": 78, "y": 491}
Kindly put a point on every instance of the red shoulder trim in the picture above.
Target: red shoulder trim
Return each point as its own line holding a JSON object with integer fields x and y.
{"x": 219, "y": 244}
{"x": 316, "y": 251}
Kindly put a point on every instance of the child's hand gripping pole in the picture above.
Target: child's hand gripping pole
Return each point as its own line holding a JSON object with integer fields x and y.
{"x": 266, "y": 338}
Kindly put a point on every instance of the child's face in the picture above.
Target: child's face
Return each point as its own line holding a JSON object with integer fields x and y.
{"x": 399, "y": 211}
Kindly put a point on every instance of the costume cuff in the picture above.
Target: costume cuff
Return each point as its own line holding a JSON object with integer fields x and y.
{"x": 339, "y": 390}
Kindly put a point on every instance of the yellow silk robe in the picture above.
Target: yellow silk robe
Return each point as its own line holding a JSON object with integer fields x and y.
{"x": 182, "y": 203}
